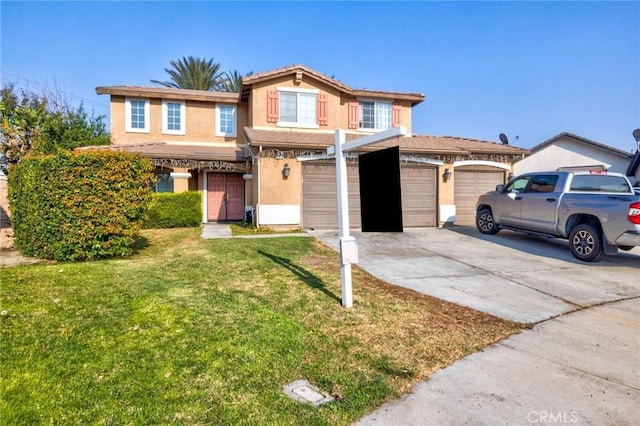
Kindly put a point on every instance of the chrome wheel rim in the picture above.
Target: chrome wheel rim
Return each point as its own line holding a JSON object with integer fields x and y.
{"x": 584, "y": 243}
{"x": 486, "y": 222}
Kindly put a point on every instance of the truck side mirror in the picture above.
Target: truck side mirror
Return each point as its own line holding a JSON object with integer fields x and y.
{"x": 499, "y": 188}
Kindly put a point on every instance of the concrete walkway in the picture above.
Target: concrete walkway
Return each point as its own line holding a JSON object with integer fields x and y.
{"x": 223, "y": 230}
{"x": 216, "y": 230}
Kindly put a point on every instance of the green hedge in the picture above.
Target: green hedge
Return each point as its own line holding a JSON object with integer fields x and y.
{"x": 79, "y": 205}
{"x": 174, "y": 210}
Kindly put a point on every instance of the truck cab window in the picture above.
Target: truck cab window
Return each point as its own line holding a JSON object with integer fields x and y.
{"x": 543, "y": 183}
{"x": 518, "y": 185}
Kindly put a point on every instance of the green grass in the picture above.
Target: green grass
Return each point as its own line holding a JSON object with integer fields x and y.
{"x": 193, "y": 331}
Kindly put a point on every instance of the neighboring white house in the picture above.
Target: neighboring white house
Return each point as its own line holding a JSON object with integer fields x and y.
{"x": 633, "y": 172}
{"x": 569, "y": 150}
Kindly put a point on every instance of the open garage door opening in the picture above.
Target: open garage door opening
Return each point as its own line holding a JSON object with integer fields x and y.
{"x": 380, "y": 193}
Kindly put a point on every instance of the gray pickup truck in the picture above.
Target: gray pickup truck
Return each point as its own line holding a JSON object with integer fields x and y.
{"x": 598, "y": 212}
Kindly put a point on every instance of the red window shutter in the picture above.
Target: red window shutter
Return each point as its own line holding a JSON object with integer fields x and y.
{"x": 354, "y": 113}
{"x": 395, "y": 115}
{"x": 323, "y": 117}
{"x": 272, "y": 106}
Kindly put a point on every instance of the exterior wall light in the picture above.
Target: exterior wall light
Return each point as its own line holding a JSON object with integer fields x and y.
{"x": 286, "y": 170}
{"x": 446, "y": 175}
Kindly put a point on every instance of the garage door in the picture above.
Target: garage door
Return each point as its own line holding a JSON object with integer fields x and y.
{"x": 469, "y": 185}
{"x": 320, "y": 205}
{"x": 418, "y": 186}
{"x": 320, "y": 196}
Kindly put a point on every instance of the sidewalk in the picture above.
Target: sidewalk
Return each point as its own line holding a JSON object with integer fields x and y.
{"x": 582, "y": 368}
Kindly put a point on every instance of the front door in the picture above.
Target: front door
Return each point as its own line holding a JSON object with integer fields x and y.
{"x": 225, "y": 197}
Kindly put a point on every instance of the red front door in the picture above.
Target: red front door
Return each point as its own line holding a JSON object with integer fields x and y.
{"x": 225, "y": 197}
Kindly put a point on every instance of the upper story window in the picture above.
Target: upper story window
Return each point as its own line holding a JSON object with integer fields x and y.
{"x": 298, "y": 107}
{"x": 137, "y": 115}
{"x": 375, "y": 115}
{"x": 173, "y": 117}
{"x": 226, "y": 120}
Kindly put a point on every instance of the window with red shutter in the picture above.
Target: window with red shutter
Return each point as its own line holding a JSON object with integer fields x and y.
{"x": 395, "y": 121}
{"x": 323, "y": 116}
{"x": 272, "y": 106}
{"x": 354, "y": 113}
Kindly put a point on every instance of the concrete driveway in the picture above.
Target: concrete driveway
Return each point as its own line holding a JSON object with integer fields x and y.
{"x": 510, "y": 275}
{"x": 582, "y": 366}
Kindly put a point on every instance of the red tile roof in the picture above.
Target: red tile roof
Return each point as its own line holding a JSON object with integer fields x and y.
{"x": 416, "y": 98}
{"x": 409, "y": 144}
{"x": 178, "y": 151}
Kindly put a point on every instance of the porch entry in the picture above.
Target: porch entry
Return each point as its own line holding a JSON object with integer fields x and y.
{"x": 225, "y": 197}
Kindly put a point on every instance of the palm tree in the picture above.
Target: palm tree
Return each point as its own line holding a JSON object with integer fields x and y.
{"x": 231, "y": 81}
{"x": 193, "y": 73}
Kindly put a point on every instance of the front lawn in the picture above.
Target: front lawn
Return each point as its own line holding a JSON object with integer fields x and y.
{"x": 193, "y": 331}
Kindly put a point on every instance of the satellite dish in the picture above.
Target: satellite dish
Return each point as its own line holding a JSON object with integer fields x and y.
{"x": 504, "y": 139}
{"x": 636, "y": 135}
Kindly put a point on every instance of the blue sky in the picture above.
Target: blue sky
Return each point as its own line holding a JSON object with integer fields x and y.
{"x": 527, "y": 69}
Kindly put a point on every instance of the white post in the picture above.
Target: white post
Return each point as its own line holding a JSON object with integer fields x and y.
{"x": 348, "y": 245}
{"x": 343, "y": 219}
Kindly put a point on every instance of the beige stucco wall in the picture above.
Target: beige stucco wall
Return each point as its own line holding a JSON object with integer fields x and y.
{"x": 445, "y": 189}
{"x": 275, "y": 189}
{"x": 180, "y": 184}
{"x": 199, "y": 123}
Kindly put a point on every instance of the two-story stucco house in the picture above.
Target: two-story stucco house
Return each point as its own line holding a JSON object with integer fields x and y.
{"x": 261, "y": 150}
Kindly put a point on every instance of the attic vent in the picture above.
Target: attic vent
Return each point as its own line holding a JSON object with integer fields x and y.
{"x": 298, "y": 79}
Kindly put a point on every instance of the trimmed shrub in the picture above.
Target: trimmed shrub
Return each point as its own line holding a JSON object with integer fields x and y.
{"x": 174, "y": 210}
{"x": 79, "y": 205}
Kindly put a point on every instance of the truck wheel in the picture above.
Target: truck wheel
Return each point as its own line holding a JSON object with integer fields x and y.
{"x": 585, "y": 242}
{"x": 485, "y": 222}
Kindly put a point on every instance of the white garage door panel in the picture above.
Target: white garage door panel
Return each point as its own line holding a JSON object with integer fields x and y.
{"x": 469, "y": 185}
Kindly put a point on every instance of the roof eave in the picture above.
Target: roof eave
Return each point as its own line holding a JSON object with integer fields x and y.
{"x": 162, "y": 93}
{"x": 293, "y": 69}
{"x": 415, "y": 98}
{"x": 599, "y": 145}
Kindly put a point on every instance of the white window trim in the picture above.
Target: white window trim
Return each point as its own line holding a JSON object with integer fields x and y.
{"x": 233, "y": 133}
{"x": 297, "y": 90}
{"x": 127, "y": 115}
{"x": 165, "y": 118}
{"x": 374, "y": 130}
{"x": 296, "y": 124}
